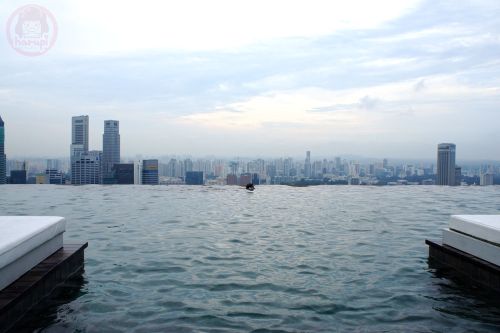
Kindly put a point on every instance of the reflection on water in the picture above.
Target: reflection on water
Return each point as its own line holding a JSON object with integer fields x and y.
{"x": 326, "y": 258}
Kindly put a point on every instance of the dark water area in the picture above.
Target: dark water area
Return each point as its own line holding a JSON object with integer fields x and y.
{"x": 280, "y": 259}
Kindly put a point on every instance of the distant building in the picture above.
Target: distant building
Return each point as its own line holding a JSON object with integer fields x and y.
{"x": 53, "y": 164}
{"x": 40, "y": 179}
{"x": 3, "y": 158}
{"x": 123, "y": 173}
{"x": 354, "y": 181}
{"x": 79, "y": 134}
{"x": 307, "y": 165}
{"x": 245, "y": 178}
{"x": 255, "y": 179}
{"x": 110, "y": 147}
{"x": 232, "y": 179}
{"x": 150, "y": 172}
{"x": 138, "y": 173}
{"x": 446, "y": 164}
{"x": 486, "y": 179}
{"x": 79, "y": 145}
{"x": 428, "y": 182}
{"x": 458, "y": 176}
{"x": 53, "y": 176}
{"x": 194, "y": 178}
{"x": 385, "y": 163}
{"x": 18, "y": 177}
{"x": 86, "y": 168}
{"x": 371, "y": 169}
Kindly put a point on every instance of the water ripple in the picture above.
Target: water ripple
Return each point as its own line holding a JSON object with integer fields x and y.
{"x": 284, "y": 259}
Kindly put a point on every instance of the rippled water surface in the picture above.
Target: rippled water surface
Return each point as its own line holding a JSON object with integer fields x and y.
{"x": 215, "y": 259}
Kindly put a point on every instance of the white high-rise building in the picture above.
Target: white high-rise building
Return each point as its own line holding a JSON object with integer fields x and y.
{"x": 86, "y": 169}
{"x": 79, "y": 135}
{"x": 486, "y": 179}
{"x": 138, "y": 172}
{"x": 110, "y": 146}
{"x": 79, "y": 143}
{"x": 85, "y": 165}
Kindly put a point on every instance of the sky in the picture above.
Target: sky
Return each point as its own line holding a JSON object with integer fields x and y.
{"x": 386, "y": 78}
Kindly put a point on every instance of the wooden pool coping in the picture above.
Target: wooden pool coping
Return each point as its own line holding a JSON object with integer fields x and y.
{"x": 479, "y": 271}
{"x": 38, "y": 283}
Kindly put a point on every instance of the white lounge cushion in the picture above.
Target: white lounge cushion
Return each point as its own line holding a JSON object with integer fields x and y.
{"x": 18, "y": 267}
{"x": 485, "y": 227}
{"x": 474, "y": 246}
{"x": 21, "y": 234}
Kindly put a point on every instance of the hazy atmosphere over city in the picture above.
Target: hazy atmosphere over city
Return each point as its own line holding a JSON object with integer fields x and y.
{"x": 383, "y": 78}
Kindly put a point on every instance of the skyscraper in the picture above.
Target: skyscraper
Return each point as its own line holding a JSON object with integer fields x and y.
{"x": 150, "y": 172}
{"x": 446, "y": 164}
{"x": 79, "y": 135}
{"x": 3, "y": 159}
{"x": 110, "y": 147}
{"x": 79, "y": 144}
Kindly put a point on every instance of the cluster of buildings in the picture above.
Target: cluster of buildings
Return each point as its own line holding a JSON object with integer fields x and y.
{"x": 106, "y": 166}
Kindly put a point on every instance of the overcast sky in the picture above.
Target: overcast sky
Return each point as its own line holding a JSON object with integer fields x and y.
{"x": 268, "y": 78}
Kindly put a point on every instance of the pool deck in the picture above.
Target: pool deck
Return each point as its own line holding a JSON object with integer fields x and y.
{"x": 39, "y": 282}
{"x": 470, "y": 246}
{"x": 481, "y": 272}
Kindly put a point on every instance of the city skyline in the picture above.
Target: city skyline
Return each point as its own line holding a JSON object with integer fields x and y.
{"x": 392, "y": 83}
{"x": 110, "y": 141}
{"x": 107, "y": 167}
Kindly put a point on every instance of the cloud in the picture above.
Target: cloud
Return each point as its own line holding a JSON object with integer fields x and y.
{"x": 191, "y": 76}
{"x": 118, "y": 26}
{"x": 322, "y": 110}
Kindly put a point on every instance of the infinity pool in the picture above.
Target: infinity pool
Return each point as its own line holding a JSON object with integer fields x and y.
{"x": 288, "y": 259}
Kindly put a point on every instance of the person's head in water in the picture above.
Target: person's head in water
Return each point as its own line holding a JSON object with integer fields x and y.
{"x": 250, "y": 186}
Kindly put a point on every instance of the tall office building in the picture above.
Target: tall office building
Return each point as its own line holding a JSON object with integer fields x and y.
{"x": 110, "y": 147}
{"x": 79, "y": 147}
{"x": 446, "y": 164}
{"x": 150, "y": 172}
{"x": 86, "y": 169}
{"x": 79, "y": 135}
{"x": 307, "y": 165}
{"x": 3, "y": 158}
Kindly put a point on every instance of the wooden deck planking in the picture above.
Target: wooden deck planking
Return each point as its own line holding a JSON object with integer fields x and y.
{"x": 38, "y": 283}
{"x": 466, "y": 265}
